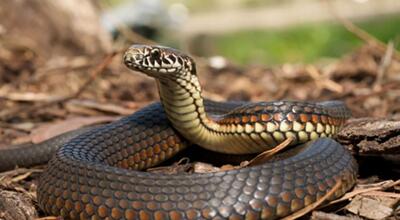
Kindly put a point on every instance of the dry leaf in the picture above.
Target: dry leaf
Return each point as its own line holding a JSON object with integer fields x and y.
{"x": 369, "y": 208}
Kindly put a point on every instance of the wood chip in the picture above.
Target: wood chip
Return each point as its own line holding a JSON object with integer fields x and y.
{"x": 200, "y": 167}
{"x": 182, "y": 166}
{"x": 372, "y": 136}
{"x": 16, "y": 206}
{"x": 369, "y": 208}
{"x": 318, "y": 215}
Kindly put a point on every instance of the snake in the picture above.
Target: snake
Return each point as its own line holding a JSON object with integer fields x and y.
{"x": 98, "y": 173}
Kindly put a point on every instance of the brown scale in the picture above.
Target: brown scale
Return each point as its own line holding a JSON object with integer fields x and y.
{"x": 270, "y": 108}
{"x": 237, "y": 120}
{"x": 324, "y": 119}
{"x": 278, "y": 116}
{"x": 291, "y": 117}
{"x": 330, "y": 120}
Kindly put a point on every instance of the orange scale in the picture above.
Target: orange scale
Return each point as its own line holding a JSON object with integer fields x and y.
{"x": 245, "y": 119}
{"x": 304, "y": 118}
{"x": 314, "y": 118}
{"x": 171, "y": 141}
{"x": 116, "y": 213}
{"x": 157, "y": 149}
{"x": 164, "y": 145}
{"x": 124, "y": 163}
{"x": 89, "y": 209}
{"x": 130, "y": 214}
{"x": 253, "y": 118}
{"x": 102, "y": 211}
{"x": 265, "y": 117}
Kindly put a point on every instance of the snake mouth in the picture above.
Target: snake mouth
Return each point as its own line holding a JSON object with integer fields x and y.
{"x": 155, "y": 61}
{"x": 149, "y": 69}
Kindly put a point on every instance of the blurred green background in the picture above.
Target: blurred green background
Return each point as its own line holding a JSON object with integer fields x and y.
{"x": 303, "y": 43}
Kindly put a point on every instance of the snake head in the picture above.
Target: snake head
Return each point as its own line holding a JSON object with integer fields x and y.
{"x": 158, "y": 61}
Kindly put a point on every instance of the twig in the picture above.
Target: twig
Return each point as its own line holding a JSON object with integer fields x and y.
{"x": 382, "y": 194}
{"x": 360, "y": 33}
{"x": 383, "y": 67}
{"x": 266, "y": 155}
{"x": 20, "y": 171}
{"x": 99, "y": 69}
{"x": 362, "y": 191}
{"x": 49, "y": 218}
{"x": 324, "y": 81}
{"x": 93, "y": 74}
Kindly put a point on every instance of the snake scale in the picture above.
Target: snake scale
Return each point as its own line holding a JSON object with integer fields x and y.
{"x": 95, "y": 174}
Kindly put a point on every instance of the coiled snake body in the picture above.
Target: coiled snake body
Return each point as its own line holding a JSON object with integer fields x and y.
{"x": 95, "y": 175}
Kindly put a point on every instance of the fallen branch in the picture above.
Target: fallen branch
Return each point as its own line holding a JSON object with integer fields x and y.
{"x": 266, "y": 155}
{"x": 349, "y": 195}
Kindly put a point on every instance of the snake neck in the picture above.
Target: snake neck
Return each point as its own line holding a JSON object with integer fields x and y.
{"x": 184, "y": 105}
{"x": 257, "y": 128}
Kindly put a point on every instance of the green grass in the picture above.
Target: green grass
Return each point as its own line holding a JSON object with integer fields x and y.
{"x": 306, "y": 43}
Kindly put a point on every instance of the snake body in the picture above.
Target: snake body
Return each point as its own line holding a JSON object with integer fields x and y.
{"x": 95, "y": 175}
